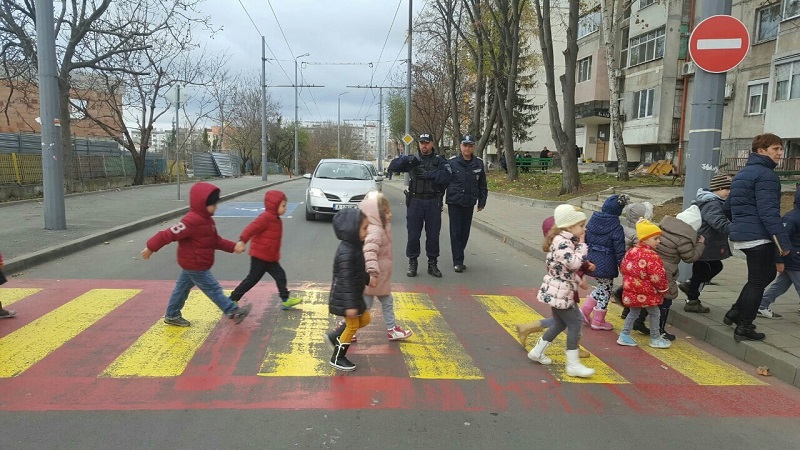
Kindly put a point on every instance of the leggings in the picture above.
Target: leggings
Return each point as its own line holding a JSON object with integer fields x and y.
{"x": 387, "y": 306}
{"x": 352, "y": 324}
{"x": 565, "y": 318}
{"x": 602, "y": 293}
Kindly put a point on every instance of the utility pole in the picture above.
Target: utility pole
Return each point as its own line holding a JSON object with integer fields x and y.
{"x": 55, "y": 217}
{"x": 339, "y": 126}
{"x": 407, "y": 177}
{"x": 177, "y": 147}
{"x": 263, "y": 109}
{"x": 380, "y": 120}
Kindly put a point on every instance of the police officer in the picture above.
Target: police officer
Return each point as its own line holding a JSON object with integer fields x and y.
{"x": 467, "y": 187}
{"x": 430, "y": 175}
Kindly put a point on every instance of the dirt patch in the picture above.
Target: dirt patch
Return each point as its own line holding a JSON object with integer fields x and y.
{"x": 674, "y": 207}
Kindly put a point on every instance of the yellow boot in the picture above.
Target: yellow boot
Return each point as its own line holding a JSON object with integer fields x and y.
{"x": 582, "y": 352}
{"x": 524, "y": 329}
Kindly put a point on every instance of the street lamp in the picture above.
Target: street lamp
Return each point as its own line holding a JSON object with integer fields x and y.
{"x": 339, "y": 126}
{"x": 296, "y": 151}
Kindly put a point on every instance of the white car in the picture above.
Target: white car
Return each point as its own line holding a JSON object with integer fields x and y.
{"x": 338, "y": 184}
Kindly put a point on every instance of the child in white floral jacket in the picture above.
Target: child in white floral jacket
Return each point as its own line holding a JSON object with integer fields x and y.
{"x": 566, "y": 253}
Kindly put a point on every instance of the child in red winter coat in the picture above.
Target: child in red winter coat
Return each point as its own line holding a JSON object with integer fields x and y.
{"x": 265, "y": 249}
{"x": 4, "y": 313}
{"x": 197, "y": 240}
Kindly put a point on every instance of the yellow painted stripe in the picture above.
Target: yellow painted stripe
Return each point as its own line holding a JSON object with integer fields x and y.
{"x": 509, "y": 311}
{"x": 296, "y": 348}
{"x": 165, "y": 350}
{"x": 10, "y": 295}
{"x": 694, "y": 363}
{"x": 433, "y": 352}
{"x": 31, "y": 343}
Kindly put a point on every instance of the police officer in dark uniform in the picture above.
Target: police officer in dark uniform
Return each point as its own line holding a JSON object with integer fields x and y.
{"x": 430, "y": 175}
{"x": 467, "y": 187}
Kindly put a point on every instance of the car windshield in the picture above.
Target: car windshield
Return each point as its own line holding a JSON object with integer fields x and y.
{"x": 343, "y": 171}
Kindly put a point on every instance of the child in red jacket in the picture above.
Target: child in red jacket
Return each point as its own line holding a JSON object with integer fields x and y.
{"x": 265, "y": 249}
{"x": 197, "y": 240}
{"x": 4, "y": 313}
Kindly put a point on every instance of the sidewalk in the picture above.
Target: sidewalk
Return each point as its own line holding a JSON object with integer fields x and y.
{"x": 95, "y": 217}
{"x": 517, "y": 222}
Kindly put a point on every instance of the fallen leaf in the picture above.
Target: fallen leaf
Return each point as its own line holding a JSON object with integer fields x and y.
{"x": 763, "y": 371}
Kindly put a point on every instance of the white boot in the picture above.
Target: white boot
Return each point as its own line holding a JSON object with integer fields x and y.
{"x": 574, "y": 366}
{"x": 537, "y": 353}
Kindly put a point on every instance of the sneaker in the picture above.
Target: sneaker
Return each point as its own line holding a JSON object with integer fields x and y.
{"x": 639, "y": 326}
{"x": 684, "y": 287}
{"x": 290, "y": 302}
{"x": 7, "y": 313}
{"x": 667, "y": 336}
{"x": 660, "y": 343}
{"x": 627, "y": 340}
{"x": 177, "y": 321}
{"x": 240, "y": 313}
{"x": 398, "y": 334}
{"x": 768, "y": 313}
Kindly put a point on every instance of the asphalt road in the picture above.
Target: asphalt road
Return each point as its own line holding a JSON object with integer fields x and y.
{"x": 390, "y": 401}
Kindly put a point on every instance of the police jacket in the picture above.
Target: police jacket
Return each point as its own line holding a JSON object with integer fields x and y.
{"x": 468, "y": 185}
{"x": 429, "y": 174}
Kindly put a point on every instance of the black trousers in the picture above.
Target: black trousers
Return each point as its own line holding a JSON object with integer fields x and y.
{"x": 423, "y": 212}
{"x": 258, "y": 268}
{"x": 702, "y": 273}
{"x": 760, "y": 273}
{"x": 460, "y": 225}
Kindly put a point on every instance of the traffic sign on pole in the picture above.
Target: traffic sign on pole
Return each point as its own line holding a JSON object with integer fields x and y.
{"x": 719, "y": 43}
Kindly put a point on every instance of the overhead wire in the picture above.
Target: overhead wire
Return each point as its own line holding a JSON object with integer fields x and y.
{"x": 280, "y": 27}
{"x": 265, "y": 42}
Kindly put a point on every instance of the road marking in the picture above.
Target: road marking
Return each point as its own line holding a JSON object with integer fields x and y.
{"x": 692, "y": 362}
{"x": 165, "y": 350}
{"x": 296, "y": 348}
{"x": 30, "y": 344}
{"x": 433, "y": 351}
{"x": 10, "y": 295}
{"x": 509, "y": 311}
{"x": 719, "y": 44}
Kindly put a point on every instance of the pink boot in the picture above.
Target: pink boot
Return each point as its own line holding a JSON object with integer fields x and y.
{"x": 587, "y": 307}
{"x": 599, "y": 320}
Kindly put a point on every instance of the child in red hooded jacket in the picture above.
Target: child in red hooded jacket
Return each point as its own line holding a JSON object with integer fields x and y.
{"x": 197, "y": 240}
{"x": 266, "y": 232}
{"x": 4, "y": 313}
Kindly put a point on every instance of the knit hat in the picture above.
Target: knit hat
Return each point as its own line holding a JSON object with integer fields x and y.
{"x": 568, "y": 215}
{"x": 646, "y": 229}
{"x": 637, "y": 211}
{"x": 615, "y": 204}
{"x": 691, "y": 215}
{"x": 213, "y": 198}
{"x": 548, "y": 224}
{"x": 719, "y": 182}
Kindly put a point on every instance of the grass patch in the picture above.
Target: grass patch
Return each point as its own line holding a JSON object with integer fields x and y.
{"x": 546, "y": 186}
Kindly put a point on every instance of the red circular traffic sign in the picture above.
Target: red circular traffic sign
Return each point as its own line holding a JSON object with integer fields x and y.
{"x": 719, "y": 43}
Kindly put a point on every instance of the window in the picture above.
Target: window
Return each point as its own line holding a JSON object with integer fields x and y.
{"x": 768, "y": 19}
{"x": 645, "y": 3}
{"x": 623, "y": 53}
{"x": 588, "y": 24}
{"x": 757, "y": 97}
{"x": 647, "y": 47}
{"x": 585, "y": 69}
{"x": 643, "y": 103}
{"x": 791, "y": 8}
{"x": 787, "y": 81}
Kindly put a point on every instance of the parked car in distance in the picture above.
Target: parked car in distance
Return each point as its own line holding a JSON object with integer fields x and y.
{"x": 339, "y": 183}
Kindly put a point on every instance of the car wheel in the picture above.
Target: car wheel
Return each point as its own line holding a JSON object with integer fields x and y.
{"x": 310, "y": 216}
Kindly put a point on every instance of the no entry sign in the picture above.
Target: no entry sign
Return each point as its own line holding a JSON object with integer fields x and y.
{"x": 719, "y": 43}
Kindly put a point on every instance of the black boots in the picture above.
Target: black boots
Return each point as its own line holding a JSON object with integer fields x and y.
{"x": 662, "y": 324}
{"x": 412, "y": 267}
{"x": 339, "y": 360}
{"x": 432, "y": 269}
{"x": 746, "y": 331}
{"x": 639, "y": 325}
{"x": 731, "y": 317}
{"x": 332, "y": 337}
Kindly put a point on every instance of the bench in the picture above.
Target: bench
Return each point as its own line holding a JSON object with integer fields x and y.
{"x": 786, "y": 176}
{"x": 536, "y": 163}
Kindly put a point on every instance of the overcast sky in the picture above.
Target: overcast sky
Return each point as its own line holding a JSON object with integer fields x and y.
{"x": 341, "y": 36}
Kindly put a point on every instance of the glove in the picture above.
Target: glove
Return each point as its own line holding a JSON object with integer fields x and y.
{"x": 412, "y": 160}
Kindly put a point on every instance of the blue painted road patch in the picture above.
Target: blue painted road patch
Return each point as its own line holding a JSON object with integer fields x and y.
{"x": 248, "y": 209}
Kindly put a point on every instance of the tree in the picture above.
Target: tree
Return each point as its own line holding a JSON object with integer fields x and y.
{"x": 610, "y": 23}
{"x": 244, "y": 120}
{"x": 563, "y": 134}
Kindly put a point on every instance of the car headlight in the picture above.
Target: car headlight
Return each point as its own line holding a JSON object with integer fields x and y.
{"x": 316, "y": 192}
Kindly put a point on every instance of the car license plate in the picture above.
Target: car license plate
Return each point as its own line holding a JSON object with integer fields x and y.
{"x": 337, "y": 206}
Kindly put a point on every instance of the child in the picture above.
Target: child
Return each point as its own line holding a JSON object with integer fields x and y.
{"x": 636, "y": 211}
{"x": 788, "y": 266}
{"x": 197, "y": 240}
{"x": 265, "y": 250}
{"x": 349, "y": 278}
{"x": 679, "y": 242}
{"x": 644, "y": 282}
{"x": 525, "y": 329}
{"x": 566, "y": 254}
{"x": 606, "y": 241}
{"x": 715, "y": 229}
{"x": 4, "y": 313}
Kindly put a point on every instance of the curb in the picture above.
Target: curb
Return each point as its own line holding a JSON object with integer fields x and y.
{"x": 30, "y": 260}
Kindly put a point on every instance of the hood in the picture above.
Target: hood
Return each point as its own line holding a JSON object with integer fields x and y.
{"x": 638, "y": 211}
{"x": 198, "y": 195}
{"x": 761, "y": 160}
{"x": 346, "y": 223}
{"x": 272, "y": 200}
{"x": 601, "y": 223}
{"x": 673, "y": 226}
{"x": 369, "y": 206}
{"x": 614, "y": 204}
{"x": 547, "y": 225}
{"x": 691, "y": 216}
{"x": 704, "y": 196}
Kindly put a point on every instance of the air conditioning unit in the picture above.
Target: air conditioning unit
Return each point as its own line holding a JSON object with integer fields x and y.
{"x": 728, "y": 91}
{"x": 687, "y": 69}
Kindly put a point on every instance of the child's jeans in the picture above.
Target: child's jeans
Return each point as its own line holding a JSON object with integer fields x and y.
{"x": 387, "y": 306}
{"x": 352, "y": 324}
{"x": 779, "y": 287}
{"x": 653, "y": 313}
{"x": 206, "y": 282}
